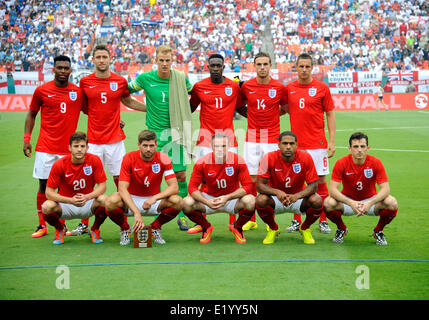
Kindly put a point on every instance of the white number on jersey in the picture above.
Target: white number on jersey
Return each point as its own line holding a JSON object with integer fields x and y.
{"x": 79, "y": 184}
{"x": 221, "y": 184}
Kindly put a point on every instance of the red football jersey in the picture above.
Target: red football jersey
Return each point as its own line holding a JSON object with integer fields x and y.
{"x": 359, "y": 181}
{"x": 290, "y": 177}
{"x": 104, "y": 101}
{"x": 59, "y": 110}
{"x": 220, "y": 179}
{"x": 307, "y": 105}
{"x": 218, "y": 103}
{"x": 71, "y": 178}
{"x": 263, "y": 116}
{"x": 145, "y": 177}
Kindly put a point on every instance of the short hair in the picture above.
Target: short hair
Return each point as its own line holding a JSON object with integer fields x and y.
{"x": 216, "y": 56}
{"x": 163, "y": 49}
{"x": 358, "y": 136}
{"x": 262, "y": 55}
{"x": 220, "y": 135}
{"x": 101, "y": 47}
{"x": 147, "y": 135}
{"x": 61, "y": 58}
{"x": 78, "y": 136}
{"x": 305, "y": 56}
{"x": 287, "y": 133}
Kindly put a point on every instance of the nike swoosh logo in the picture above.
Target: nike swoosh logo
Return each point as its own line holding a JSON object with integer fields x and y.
{"x": 138, "y": 169}
{"x": 69, "y": 175}
{"x": 205, "y": 92}
{"x": 91, "y": 87}
{"x": 292, "y": 92}
{"x": 252, "y": 92}
{"x": 153, "y": 85}
{"x": 349, "y": 173}
{"x": 210, "y": 174}
{"x": 278, "y": 169}
{"x": 51, "y": 95}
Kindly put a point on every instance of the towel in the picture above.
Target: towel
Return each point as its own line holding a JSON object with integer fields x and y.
{"x": 180, "y": 111}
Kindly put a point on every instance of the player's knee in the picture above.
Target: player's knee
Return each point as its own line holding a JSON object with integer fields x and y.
{"x": 248, "y": 202}
{"x": 112, "y": 202}
{"x": 329, "y": 204}
{"x": 316, "y": 201}
{"x": 176, "y": 202}
{"x": 188, "y": 203}
{"x": 48, "y": 207}
{"x": 101, "y": 200}
{"x": 261, "y": 200}
{"x": 390, "y": 203}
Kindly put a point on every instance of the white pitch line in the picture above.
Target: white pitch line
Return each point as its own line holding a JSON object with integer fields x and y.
{"x": 392, "y": 128}
{"x": 395, "y": 150}
{"x": 425, "y": 112}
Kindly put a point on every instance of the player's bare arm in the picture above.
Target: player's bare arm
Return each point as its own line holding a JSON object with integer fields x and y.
{"x": 242, "y": 110}
{"x": 284, "y": 109}
{"x": 172, "y": 189}
{"x": 133, "y": 103}
{"x": 332, "y": 127}
{"x": 98, "y": 191}
{"x": 126, "y": 198}
{"x": 198, "y": 196}
{"x": 308, "y": 191}
{"x": 53, "y": 195}
{"x": 223, "y": 199}
{"x": 28, "y": 129}
{"x": 263, "y": 187}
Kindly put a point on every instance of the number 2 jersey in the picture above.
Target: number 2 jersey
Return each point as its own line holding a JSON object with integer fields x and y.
{"x": 359, "y": 181}
{"x": 59, "y": 110}
{"x": 145, "y": 177}
{"x": 71, "y": 178}
{"x": 289, "y": 177}
{"x": 220, "y": 179}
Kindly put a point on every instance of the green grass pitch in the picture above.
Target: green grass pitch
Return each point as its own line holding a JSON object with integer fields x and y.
{"x": 222, "y": 269}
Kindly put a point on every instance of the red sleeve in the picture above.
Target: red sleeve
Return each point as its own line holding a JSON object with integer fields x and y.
{"x": 125, "y": 174}
{"x": 167, "y": 166}
{"x": 126, "y": 92}
{"x": 328, "y": 102}
{"x": 337, "y": 172}
{"x": 195, "y": 100}
{"x": 100, "y": 174}
{"x": 283, "y": 99}
{"x": 54, "y": 176}
{"x": 196, "y": 178}
{"x": 36, "y": 101}
{"x": 311, "y": 173}
{"x": 244, "y": 178}
{"x": 239, "y": 99}
{"x": 381, "y": 175}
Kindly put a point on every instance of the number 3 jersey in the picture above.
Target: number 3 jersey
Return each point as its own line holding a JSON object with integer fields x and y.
{"x": 145, "y": 177}
{"x": 359, "y": 181}
{"x": 71, "y": 178}
{"x": 220, "y": 179}
{"x": 289, "y": 177}
{"x": 60, "y": 109}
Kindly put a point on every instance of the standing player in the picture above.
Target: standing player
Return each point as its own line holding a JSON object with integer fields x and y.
{"x": 220, "y": 174}
{"x": 75, "y": 177}
{"x": 59, "y": 102}
{"x": 219, "y": 98}
{"x": 282, "y": 176}
{"x": 309, "y": 100}
{"x": 266, "y": 101}
{"x": 157, "y": 85}
{"x": 380, "y": 98}
{"x": 140, "y": 189}
{"x": 359, "y": 173}
{"x": 105, "y": 90}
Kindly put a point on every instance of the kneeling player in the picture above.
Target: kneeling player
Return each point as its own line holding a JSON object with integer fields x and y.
{"x": 75, "y": 176}
{"x": 220, "y": 173}
{"x": 281, "y": 179}
{"x": 140, "y": 189}
{"x": 359, "y": 173}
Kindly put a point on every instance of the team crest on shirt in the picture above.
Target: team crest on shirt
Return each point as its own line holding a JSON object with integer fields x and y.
{"x": 87, "y": 170}
{"x": 296, "y": 167}
{"x": 113, "y": 86}
{"x": 272, "y": 93}
{"x": 312, "y": 92}
{"x": 229, "y": 171}
{"x": 228, "y": 91}
{"x": 156, "y": 168}
{"x": 368, "y": 173}
{"x": 73, "y": 95}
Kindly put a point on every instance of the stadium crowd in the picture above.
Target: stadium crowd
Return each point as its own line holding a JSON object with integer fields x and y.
{"x": 342, "y": 35}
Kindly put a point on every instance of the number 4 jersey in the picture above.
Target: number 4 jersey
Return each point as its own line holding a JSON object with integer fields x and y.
{"x": 71, "y": 178}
